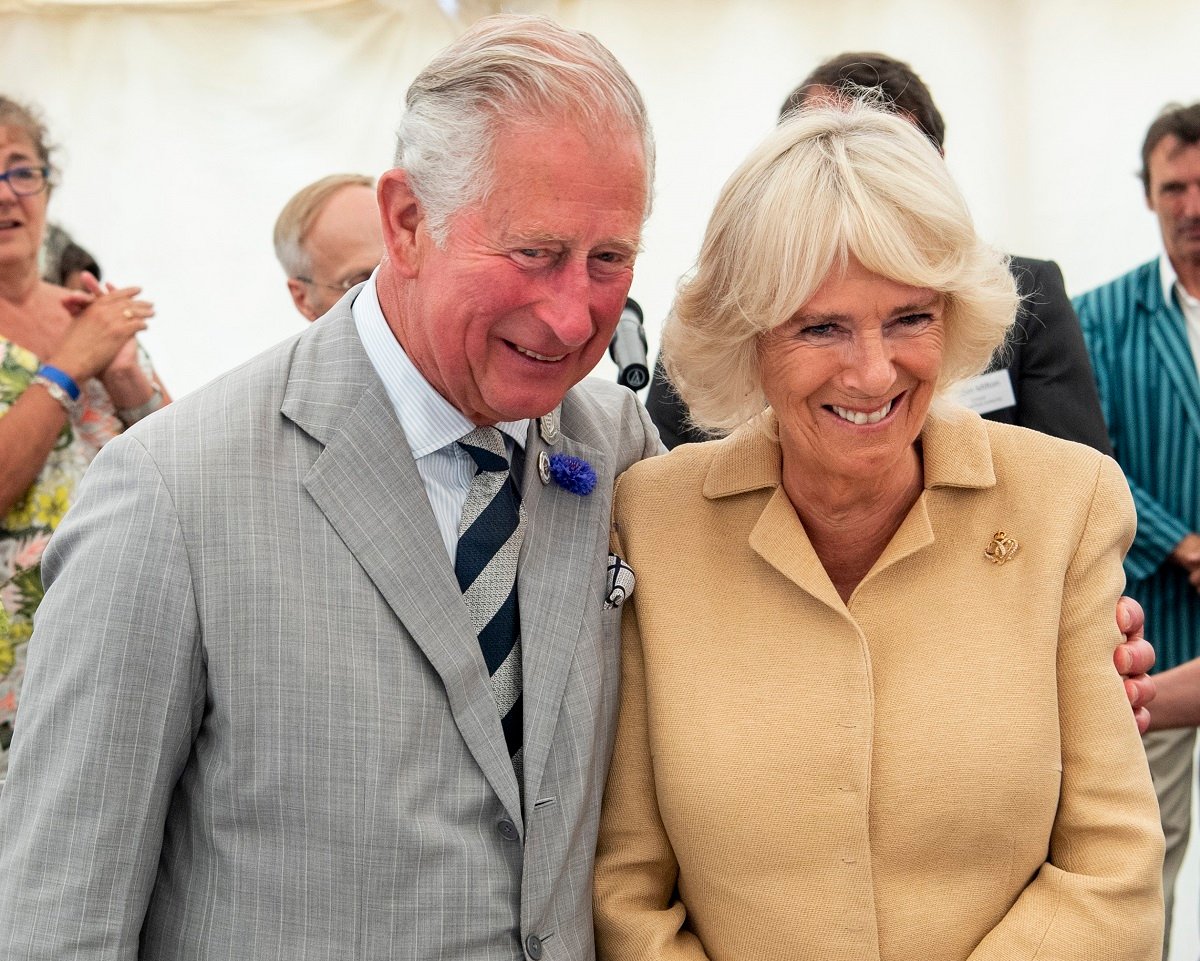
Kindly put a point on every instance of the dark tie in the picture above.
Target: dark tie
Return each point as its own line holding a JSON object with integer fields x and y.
{"x": 489, "y": 540}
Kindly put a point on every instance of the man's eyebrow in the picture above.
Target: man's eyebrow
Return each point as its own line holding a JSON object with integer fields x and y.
{"x": 626, "y": 245}
{"x": 536, "y": 239}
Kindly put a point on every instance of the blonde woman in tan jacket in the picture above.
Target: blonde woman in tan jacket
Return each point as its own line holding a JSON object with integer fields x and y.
{"x": 790, "y": 779}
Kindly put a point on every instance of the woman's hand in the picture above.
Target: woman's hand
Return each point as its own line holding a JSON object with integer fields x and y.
{"x": 104, "y": 324}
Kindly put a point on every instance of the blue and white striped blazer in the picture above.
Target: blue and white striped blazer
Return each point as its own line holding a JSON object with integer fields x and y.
{"x": 1150, "y": 393}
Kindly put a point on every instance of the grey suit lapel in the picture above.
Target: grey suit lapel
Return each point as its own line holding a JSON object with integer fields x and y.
{"x": 557, "y": 581}
{"x": 1168, "y": 334}
{"x": 366, "y": 483}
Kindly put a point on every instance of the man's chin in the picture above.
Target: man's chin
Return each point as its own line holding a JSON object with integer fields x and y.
{"x": 528, "y": 406}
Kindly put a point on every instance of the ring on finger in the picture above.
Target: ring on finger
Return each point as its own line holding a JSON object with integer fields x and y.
{"x": 128, "y": 313}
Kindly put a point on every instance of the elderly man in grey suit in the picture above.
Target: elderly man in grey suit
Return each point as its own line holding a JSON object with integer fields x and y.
{"x": 267, "y": 714}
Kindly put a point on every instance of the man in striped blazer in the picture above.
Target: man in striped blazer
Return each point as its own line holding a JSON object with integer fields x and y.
{"x": 1143, "y": 333}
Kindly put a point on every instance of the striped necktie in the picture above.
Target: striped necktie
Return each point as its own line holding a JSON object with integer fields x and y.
{"x": 489, "y": 540}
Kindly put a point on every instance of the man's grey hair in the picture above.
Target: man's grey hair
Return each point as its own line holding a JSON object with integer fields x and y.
{"x": 507, "y": 70}
{"x": 298, "y": 216}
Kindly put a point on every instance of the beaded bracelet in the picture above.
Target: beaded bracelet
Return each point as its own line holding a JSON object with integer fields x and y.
{"x": 54, "y": 390}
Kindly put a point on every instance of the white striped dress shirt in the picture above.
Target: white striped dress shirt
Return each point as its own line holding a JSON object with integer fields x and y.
{"x": 431, "y": 424}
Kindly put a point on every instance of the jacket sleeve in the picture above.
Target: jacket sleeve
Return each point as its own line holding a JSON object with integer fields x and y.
{"x": 113, "y": 697}
{"x": 1158, "y": 529}
{"x": 637, "y": 910}
{"x": 1056, "y": 393}
{"x": 1099, "y": 893}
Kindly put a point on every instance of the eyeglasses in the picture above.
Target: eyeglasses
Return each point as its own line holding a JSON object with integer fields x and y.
{"x": 26, "y": 181}
{"x": 343, "y": 285}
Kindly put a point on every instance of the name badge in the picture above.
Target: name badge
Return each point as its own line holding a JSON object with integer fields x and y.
{"x": 987, "y": 392}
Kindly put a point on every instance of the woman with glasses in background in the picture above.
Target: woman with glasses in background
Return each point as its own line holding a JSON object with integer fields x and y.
{"x": 71, "y": 377}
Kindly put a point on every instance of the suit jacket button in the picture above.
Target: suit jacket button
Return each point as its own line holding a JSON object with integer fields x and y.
{"x": 507, "y": 830}
{"x": 533, "y": 945}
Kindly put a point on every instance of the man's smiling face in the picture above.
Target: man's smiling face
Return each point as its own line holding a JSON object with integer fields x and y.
{"x": 522, "y": 299}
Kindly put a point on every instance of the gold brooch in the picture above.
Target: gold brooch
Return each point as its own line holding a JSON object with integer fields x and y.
{"x": 1002, "y": 548}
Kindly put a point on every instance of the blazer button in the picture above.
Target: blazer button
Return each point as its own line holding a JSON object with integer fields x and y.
{"x": 508, "y": 830}
{"x": 533, "y": 944}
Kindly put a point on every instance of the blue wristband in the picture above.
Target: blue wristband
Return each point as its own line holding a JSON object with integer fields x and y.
{"x": 62, "y": 378}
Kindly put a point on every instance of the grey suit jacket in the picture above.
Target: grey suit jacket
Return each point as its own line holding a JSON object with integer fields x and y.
{"x": 256, "y": 722}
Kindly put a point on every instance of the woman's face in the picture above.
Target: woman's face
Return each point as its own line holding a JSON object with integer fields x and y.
{"x": 852, "y": 374}
{"x": 22, "y": 219}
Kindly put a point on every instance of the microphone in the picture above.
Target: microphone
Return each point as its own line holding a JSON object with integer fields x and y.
{"x": 628, "y": 348}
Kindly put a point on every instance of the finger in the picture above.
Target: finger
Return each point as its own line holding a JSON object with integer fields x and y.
{"x": 1140, "y": 690}
{"x": 1142, "y": 716}
{"x": 121, "y": 293}
{"x": 1131, "y": 619}
{"x": 1134, "y": 658}
{"x": 137, "y": 313}
{"x": 90, "y": 283}
{"x": 75, "y": 300}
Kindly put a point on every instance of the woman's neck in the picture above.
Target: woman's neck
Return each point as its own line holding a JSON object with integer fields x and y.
{"x": 849, "y": 523}
{"x": 19, "y": 282}
{"x": 32, "y": 315}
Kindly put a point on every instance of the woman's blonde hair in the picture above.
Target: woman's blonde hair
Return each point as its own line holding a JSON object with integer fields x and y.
{"x": 830, "y": 183}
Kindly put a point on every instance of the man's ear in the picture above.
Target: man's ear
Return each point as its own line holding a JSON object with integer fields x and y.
{"x": 402, "y": 218}
{"x": 300, "y": 298}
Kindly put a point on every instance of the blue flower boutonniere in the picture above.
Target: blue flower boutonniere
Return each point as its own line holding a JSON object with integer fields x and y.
{"x": 572, "y": 473}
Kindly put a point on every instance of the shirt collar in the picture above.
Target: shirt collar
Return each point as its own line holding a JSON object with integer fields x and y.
{"x": 430, "y": 422}
{"x": 1167, "y": 275}
{"x": 1171, "y": 284}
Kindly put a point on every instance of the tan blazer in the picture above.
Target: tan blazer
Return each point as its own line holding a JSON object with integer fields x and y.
{"x": 944, "y": 768}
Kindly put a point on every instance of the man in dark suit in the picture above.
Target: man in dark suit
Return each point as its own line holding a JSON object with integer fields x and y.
{"x": 1041, "y": 377}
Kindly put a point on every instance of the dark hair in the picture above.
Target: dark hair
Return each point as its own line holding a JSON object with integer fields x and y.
{"x": 1174, "y": 120}
{"x": 894, "y": 81}
{"x": 72, "y": 259}
{"x": 27, "y": 119}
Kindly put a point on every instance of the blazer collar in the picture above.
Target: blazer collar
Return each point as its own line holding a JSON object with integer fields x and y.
{"x": 954, "y": 443}
{"x": 1151, "y": 288}
{"x": 1168, "y": 333}
{"x": 560, "y": 577}
{"x": 366, "y": 482}
{"x": 957, "y": 453}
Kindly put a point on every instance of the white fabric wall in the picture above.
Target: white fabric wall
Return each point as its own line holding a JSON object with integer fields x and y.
{"x": 185, "y": 130}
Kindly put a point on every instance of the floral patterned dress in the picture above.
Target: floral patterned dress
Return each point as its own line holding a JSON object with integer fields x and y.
{"x": 27, "y": 526}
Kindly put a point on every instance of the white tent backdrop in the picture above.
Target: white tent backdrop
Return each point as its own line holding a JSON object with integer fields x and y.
{"x": 186, "y": 125}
